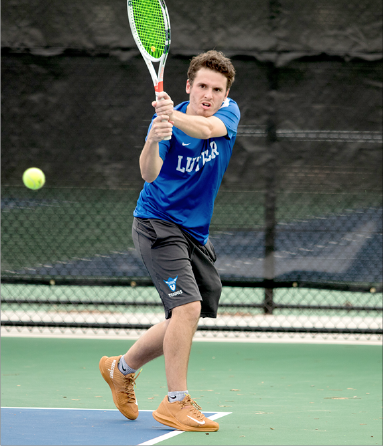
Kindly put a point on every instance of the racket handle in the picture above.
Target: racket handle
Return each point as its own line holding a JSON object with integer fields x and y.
{"x": 164, "y": 120}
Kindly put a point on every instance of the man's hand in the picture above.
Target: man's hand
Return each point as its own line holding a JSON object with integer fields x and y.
{"x": 164, "y": 106}
{"x": 161, "y": 129}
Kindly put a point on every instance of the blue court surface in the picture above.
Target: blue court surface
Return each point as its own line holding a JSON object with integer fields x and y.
{"x": 44, "y": 426}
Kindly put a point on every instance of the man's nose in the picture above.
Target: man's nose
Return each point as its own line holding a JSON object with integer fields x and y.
{"x": 208, "y": 93}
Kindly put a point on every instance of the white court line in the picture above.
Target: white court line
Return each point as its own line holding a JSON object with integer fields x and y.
{"x": 64, "y": 408}
{"x": 162, "y": 437}
{"x": 200, "y": 336}
{"x": 261, "y": 320}
{"x": 175, "y": 433}
{"x": 153, "y": 441}
{"x": 212, "y": 417}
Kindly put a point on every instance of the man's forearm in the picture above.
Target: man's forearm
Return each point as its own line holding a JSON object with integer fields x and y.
{"x": 194, "y": 126}
{"x": 150, "y": 161}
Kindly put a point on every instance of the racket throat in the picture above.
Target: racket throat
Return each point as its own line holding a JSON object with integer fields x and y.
{"x": 159, "y": 87}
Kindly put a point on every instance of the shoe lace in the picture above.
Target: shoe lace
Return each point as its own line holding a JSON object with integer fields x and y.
{"x": 130, "y": 383}
{"x": 195, "y": 408}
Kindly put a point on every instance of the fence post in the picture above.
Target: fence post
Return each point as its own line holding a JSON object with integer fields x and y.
{"x": 270, "y": 190}
{"x": 271, "y": 165}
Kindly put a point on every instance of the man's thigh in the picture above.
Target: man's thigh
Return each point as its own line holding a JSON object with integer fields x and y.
{"x": 166, "y": 254}
{"x": 207, "y": 278}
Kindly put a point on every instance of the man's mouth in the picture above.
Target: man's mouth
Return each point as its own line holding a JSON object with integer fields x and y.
{"x": 206, "y": 105}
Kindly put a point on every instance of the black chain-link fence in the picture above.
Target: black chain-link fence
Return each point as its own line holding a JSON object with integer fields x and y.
{"x": 297, "y": 224}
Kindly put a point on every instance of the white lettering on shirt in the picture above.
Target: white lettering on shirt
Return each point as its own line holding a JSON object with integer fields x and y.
{"x": 190, "y": 164}
{"x": 214, "y": 151}
{"x": 207, "y": 156}
{"x": 197, "y": 159}
{"x": 205, "y": 159}
{"x": 179, "y": 164}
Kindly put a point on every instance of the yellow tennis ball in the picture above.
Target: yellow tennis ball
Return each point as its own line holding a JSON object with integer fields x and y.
{"x": 34, "y": 178}
{"x": 153, "y": 48}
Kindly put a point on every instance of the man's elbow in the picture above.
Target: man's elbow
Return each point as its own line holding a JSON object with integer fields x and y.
{"x": 207, "y": 134}
{"x": 148, "y": 176}
{"x": 214, "y": 128}
{"x": 148, "y": 172}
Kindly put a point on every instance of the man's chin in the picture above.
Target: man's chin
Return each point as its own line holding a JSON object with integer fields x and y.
{"x": 206, "y": 113}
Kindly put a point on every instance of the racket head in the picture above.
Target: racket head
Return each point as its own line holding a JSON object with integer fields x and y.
{"x": 150, "y": 26}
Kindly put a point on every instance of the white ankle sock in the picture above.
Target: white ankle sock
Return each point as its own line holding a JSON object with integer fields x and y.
{"x": 178, "y": 395}
{"x": 124, "y": 368}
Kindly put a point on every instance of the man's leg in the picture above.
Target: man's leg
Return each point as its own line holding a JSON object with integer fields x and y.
{"x": 173, "y": 338}
{"x": 177, "y": 344}
{"x": 182, "y": 414}
{"x": 149, "y": 346}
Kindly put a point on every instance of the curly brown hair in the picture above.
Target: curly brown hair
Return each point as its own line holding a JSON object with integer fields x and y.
{"x": 213, "y": 60}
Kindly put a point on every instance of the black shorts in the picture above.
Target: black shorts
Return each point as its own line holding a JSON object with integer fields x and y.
{"x": 182, "y": 270}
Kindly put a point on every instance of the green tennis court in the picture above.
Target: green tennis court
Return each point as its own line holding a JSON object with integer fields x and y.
{"x": 276, "y": 393}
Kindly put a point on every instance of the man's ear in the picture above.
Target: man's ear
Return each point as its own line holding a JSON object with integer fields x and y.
{"x": 227, "y": 93}
{"x": 188, "y": 86}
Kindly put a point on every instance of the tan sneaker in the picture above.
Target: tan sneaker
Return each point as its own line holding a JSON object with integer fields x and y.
{"x": 184, "y": 415}
{"x": 122, "y": 386}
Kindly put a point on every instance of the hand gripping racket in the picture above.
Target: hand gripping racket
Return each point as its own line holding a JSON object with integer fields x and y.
{"x": 150, "y": 25}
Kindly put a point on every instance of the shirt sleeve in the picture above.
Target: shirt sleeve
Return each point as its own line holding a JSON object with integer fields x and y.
{"x": 230, "y": 115}
{"x": 162, "y": 145}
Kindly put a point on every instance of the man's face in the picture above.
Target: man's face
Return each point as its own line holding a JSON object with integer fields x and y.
{"x": 207, "y": 93}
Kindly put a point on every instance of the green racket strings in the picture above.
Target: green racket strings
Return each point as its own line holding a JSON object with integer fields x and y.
{"x": 150, "y": 26}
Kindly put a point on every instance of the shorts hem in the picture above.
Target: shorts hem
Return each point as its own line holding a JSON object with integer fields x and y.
{"x": 168, "y": 311}
{"x": 212, "y": 315}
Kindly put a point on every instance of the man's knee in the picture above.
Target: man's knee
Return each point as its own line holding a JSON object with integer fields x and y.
{"x": 190, "y": 311}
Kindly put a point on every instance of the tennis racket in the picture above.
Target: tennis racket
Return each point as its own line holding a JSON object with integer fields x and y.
{"x": 150, "y": 26}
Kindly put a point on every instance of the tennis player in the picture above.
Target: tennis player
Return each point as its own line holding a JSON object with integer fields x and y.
{"x": 171, "y": 232}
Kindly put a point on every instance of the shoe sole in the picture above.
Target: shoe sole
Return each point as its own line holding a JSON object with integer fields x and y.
{"x": 109, "y": 381}
{"x": 172, "y": 422}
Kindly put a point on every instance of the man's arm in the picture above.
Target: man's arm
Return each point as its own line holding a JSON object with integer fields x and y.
{"x": 194, "y": 126}
{"x": 199, "y": 126}
{"x": 150, "y": 160}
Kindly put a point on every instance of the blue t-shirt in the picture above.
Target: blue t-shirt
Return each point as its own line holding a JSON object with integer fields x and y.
{"x": 185, "y": 190}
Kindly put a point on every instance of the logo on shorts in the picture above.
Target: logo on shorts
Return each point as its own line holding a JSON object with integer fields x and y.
{"x": 171, "y": 283}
